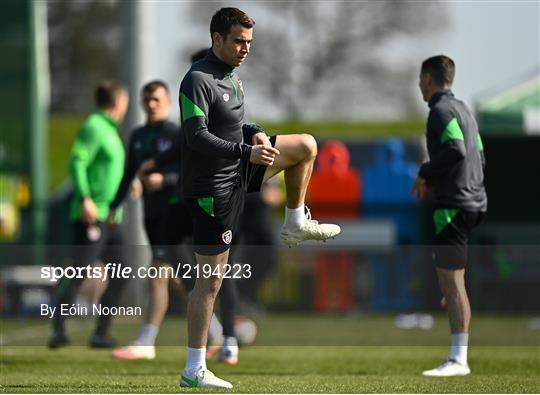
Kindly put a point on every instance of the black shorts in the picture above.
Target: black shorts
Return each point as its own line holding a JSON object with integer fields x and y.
{"x": 97, "y": 242}
{"x": 452, "y": 231}
{"x": 216, "y": 218}
{"x": 173, "y": 226}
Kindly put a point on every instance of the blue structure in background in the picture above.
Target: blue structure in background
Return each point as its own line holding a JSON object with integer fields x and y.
{"x": 387, "y": 194}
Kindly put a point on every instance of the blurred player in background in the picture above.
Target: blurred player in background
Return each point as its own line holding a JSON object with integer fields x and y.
{"x": 222, "y": 338}
{"x": 455, "y": 176}
{"x": 223, "y": 158}
{"x": 259, "y": 241}
{"x": 96, "y": 167}
{"x": 166, "y": 221}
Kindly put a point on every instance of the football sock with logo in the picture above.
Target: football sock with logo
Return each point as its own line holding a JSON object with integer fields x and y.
{"x": 196, "y": 360}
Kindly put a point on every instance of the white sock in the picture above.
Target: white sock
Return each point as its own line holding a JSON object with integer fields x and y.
{"x": 230, "y": 347}
{"x": 295, "y": 218}
{"x": 458, "y": 350}
{"x": 215, "y": 332}
{"x": 230, "y": 341}
{"x": 148, "y": 335}
{"x": 196, "y": 360}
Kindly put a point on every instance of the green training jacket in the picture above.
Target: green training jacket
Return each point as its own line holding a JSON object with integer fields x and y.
{"x": 96, "y": 165}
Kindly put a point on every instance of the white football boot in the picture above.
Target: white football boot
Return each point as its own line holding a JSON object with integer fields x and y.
{"x": 312, "y": 230}
{"x": 448, "y": 368}
{"x": 203, "y": 379}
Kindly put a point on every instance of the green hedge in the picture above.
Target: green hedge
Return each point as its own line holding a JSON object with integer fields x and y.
{"x": 63, "y": 128}
{"x": 62, "y": 131}
{"x": 349, "y": 130}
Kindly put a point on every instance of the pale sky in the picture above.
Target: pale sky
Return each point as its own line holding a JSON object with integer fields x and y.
{"x": 494, "y": 44}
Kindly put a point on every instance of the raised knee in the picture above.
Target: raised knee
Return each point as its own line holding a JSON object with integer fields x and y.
{"x": 309, "y": 145}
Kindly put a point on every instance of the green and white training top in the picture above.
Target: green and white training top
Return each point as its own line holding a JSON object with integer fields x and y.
{"x": 214, "y": 135}
{"x": 455, "y": 170}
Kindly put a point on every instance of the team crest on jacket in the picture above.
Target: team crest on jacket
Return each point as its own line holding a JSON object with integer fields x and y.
{"x": 226, "y": 96}
{"x": 227, "y": 237}
{"x": 163, "y": 144}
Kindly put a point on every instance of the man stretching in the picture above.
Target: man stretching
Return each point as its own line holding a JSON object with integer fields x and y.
{"x": 223, "y": 159}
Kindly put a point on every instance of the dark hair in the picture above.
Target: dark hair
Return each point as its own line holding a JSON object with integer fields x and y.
{"x": 107, "y": 92}
{"x": 154, "y": 85}
{"x": 225, "y": 18}
{"x": 200, "y": 54}
{"x": 441, "y": 68}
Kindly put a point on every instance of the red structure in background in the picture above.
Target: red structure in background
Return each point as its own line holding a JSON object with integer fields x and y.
{"x": 335, "y": 189}
{"x": 334, "y": 193}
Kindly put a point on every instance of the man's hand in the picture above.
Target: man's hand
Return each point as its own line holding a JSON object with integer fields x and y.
{"x": 145, "y": 167}
{"x": 136, "y": 189}
{"x": 261, "y": 139}
{"x": 153, "y": 182}
{"x": 88, "y": 211}
{"x": 420, "y": 188}
{"x": 110, "y": 218}
{"x": 262, "y": 155}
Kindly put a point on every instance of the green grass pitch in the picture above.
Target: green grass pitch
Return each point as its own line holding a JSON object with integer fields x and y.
{"x": 297, "y": 354}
